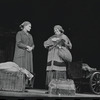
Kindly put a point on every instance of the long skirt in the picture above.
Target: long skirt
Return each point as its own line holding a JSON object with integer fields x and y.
{"x": 26, "y": 62}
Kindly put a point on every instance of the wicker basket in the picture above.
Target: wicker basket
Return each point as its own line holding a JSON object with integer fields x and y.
{"x": 62, "y": 87}
{"x": 12, "y": 81}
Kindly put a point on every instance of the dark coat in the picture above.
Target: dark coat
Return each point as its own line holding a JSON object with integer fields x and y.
{"x": 22, "y": 57}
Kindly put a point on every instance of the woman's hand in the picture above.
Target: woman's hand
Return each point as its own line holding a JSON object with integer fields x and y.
{"x": 59, "y": 46}
{"x": 68, "y": 44}
{"x": 29, "y": 48}
{"x": 55, "y": 39}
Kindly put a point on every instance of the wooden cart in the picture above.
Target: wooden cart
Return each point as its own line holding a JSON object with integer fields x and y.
{"x": 84, "y": 80}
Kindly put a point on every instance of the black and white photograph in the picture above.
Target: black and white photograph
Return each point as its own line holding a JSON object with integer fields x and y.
{"x": 49, "y": 48}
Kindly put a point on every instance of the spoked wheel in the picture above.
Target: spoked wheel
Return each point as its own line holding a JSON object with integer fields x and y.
{"x": 95, "y": 82}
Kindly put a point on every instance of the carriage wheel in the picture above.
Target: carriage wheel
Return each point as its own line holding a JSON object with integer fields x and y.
{"x": 95, "y": 82}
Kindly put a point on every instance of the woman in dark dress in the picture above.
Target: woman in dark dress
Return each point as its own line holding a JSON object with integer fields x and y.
{"x": 23, "y": 49}
{"x": 58, "y": 47}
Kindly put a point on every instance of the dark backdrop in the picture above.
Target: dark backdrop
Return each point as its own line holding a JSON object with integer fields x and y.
{"x": 79, "y": 18}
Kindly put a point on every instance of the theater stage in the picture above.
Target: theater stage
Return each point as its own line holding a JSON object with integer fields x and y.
{"x": 41, "y": 93}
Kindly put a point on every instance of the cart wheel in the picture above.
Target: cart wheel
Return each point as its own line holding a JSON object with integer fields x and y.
{"x": 95, "y": 82}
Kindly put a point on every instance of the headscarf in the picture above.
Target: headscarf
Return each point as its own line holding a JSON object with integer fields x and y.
{"x": 59, "y": 28}
{"x": 25, "y": 23}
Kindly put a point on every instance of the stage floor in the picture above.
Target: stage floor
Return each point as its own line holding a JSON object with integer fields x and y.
{"x": 41, "y": 93}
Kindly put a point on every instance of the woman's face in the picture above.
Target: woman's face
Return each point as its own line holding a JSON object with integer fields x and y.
{"x": 28, "y": 27}
{"x": 57, "y": 31}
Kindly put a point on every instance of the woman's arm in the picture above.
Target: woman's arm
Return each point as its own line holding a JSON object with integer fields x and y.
{"x": 19, "y": 41}
{"x": 67, "y": 41}
{"x": 48, "y": 43}
{"x": 32, "y": 45}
